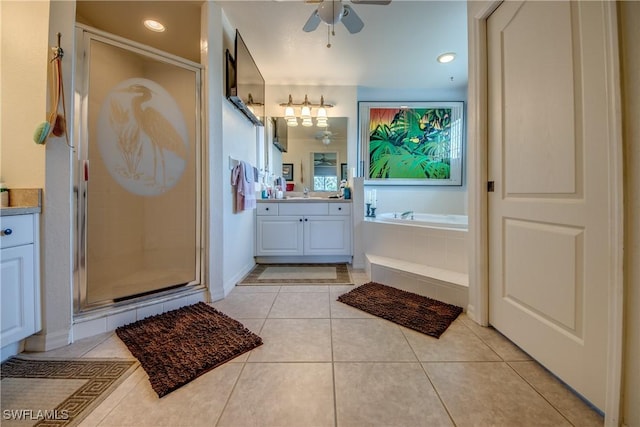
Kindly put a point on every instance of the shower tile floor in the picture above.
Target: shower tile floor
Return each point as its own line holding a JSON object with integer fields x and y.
{"x": 324, "y": 363}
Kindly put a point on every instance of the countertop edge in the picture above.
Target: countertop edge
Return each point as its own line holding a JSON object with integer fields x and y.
{"x": 19, "y": 210}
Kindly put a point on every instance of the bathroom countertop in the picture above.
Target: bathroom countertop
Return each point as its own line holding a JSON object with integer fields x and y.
{"x": 23, "y": 201}
{"x": 299, "y": 199}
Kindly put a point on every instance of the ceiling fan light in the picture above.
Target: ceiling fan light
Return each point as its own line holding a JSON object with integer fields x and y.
{"x": 326, "y": 140}
{"x": 330, "y": 11}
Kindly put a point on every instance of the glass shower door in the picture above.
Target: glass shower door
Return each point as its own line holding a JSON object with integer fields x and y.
{"x": 139, "y": 174}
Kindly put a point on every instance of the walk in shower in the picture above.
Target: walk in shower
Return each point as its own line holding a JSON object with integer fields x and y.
{"x": 138, "y": 178}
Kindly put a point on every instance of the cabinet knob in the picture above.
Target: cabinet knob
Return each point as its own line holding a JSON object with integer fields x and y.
{"x": 306, "y": 219}
{"x": 266, "y": 209}
{"x": 339, "y": 209}
{"x": 300, "y": 219}
{"x": 7, "y": 232}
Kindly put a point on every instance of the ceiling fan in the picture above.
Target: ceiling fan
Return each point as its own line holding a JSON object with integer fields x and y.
{"x": 333, "y": 11}
{"x": 322, "y": 159}
{"x": 326, "y": 136}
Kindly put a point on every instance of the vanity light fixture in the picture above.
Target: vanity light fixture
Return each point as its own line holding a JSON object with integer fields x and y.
{"x": 305, "y": 112}
{"x": 321, "y": 115}
{"x": 446, "y": 57}
{"x": 289, "y": 113}
{"x": 154, "y": 25}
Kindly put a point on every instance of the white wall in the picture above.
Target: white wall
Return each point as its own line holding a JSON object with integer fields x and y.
{"x": 28, "y": 30}
{"x": 24, "y": 83}
{"x": 239, "y": 142}
{"x": 231, "y": 236}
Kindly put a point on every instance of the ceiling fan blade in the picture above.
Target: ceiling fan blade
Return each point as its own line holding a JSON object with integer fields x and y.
{"x": 312, "y": 22}
{"x": 378, "y": 2}
{"x": 351, "y": 20}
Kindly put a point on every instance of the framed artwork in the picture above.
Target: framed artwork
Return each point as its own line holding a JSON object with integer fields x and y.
{"x": 343, "y": 171}
{"x": 411, "y": 143}
{"x": 287, "y": 171}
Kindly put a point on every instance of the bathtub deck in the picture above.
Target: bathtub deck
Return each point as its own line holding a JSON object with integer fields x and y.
{"x": 445, "y": 285}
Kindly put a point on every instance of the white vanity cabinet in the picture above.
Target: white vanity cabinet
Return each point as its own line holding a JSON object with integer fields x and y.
{"x": 19, "y": 288}
{"x": 303, "y": 229}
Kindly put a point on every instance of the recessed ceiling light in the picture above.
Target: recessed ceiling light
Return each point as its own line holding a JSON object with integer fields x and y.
{"x": 154, "y": 25}
{"x": 446, "y": 57}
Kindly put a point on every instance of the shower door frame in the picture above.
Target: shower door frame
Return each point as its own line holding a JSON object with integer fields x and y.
{"x": 84, "y": 35}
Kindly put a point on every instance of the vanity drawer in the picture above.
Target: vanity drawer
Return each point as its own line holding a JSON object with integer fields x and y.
{"x": 16, "y": 230}
{"x": 304, "y": 208}
{"x": 339, "y": 208}
{"x": 267, "y": 209}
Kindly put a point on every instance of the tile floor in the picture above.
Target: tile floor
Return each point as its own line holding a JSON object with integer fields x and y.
{"x": 326, "y": 364}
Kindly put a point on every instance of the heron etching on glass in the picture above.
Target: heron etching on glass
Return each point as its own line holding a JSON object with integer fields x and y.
{"x": 161, "y": 133}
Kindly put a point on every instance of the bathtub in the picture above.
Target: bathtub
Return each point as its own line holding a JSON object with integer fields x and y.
{"x": 459, "y": 222}
{"x": 426, "y": 255}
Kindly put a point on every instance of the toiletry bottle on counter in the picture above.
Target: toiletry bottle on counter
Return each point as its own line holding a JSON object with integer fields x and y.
{"x": 4, "y": 195}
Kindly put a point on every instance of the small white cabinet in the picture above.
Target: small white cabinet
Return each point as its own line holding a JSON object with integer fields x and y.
{"x": 299, "y": 229}
{"x": 19, "y": 288}
{"x": 327, "y": 235}
{"x": 279, "y": 235}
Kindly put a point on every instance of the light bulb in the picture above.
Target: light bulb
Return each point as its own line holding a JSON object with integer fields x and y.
{"x": 289, "y": 114}
{"x": 306, "y": 112}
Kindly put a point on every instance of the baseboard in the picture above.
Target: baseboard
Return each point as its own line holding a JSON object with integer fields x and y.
{"x": 237, "y": 278}
{"x": 304, "y": 259}
{"x": 48, "y": 341}
{"x": 10, "y": 350}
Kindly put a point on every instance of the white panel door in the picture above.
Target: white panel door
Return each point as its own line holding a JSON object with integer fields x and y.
{"x": 327, "y": 235}
{"x": 17, "y": 292}
{"x": 279, "y": 235}
{"x": 549, "y": 265}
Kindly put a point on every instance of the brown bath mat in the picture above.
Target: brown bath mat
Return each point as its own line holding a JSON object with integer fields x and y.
{"x": 180, "y": 345}
{"x": 407, "y": 309}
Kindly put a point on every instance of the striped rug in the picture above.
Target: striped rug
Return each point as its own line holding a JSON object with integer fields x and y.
{"x": 298, "y": 274}
{"x": 57, "y": 392}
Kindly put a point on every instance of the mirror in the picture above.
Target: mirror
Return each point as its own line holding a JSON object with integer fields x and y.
{"x": 307, "y": 146}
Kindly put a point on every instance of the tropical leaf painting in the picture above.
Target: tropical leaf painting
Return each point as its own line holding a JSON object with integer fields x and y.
{"x": 410, "y": 143}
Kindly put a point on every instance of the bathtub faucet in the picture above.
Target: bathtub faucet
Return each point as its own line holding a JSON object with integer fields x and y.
{"x": 404, "y": 215}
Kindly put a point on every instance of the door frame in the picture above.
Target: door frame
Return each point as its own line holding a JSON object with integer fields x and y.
{"x": 477, "y": 162}
{"x": 83, "y": 35}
